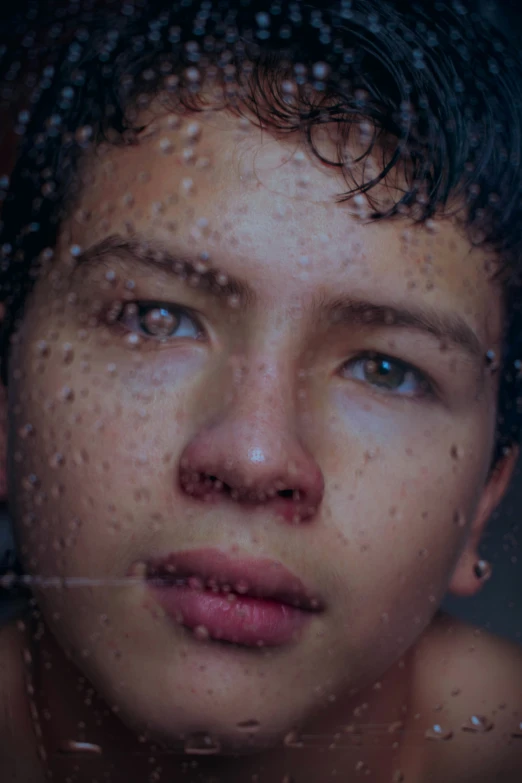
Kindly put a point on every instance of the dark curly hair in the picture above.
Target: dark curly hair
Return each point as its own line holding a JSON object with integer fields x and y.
{"x": 439, "y": 87}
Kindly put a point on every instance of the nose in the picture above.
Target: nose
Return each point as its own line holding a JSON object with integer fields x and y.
{"x": 249, "y": 452}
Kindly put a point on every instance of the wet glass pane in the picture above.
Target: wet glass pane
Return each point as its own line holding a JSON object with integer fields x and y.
{"x": 260, "y": 354}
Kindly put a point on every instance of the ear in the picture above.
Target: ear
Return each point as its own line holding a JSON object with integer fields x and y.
{"x": 464, "y": 582}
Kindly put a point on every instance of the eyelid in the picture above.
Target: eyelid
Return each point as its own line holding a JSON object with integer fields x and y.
{"x": 171, "y": 306}
{"x": 430, "y": 389}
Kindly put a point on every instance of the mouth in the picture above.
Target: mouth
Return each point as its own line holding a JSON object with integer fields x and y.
{"x": 250, "y": 602}
{"x": 213, "y": 571}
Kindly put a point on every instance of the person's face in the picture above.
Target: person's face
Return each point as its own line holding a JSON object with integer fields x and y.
{"x": 348, "y": 444}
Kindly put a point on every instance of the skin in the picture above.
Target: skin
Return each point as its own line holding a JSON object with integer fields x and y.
{"x": 394, "y": 483}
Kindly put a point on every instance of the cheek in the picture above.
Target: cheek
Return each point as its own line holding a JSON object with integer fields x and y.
{"x": 390, "y": 541}
{"x": 92, "y": 468}
{"x": 398, "y": 509}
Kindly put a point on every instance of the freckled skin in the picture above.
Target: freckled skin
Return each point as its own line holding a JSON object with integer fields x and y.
{"x": 381, "y": 461}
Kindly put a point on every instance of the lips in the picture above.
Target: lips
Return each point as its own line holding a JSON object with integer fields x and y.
{"x": 211, "y": 569}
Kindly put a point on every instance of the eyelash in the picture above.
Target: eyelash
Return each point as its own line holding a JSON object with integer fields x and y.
{"x": 181, "y": 313}
{"x": 425, "y": 386}
{"x": 141, "y": 309}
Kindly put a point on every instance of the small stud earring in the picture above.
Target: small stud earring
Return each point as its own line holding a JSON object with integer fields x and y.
{"x": 482, "y": 570}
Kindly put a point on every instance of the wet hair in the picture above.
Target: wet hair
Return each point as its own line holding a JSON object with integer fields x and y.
{"x": 438, "y": 88}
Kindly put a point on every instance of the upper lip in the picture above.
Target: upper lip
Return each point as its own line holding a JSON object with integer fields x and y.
{"x": 260, "y": 578}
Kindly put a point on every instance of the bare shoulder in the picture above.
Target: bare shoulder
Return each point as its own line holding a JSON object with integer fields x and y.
{"x": 18, "y": 752}
{"x": 466, "y": 704}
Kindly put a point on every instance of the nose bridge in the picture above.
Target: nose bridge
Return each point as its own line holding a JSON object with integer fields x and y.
{"x": 254, "y": 430}
{"x": 263, "y": 398}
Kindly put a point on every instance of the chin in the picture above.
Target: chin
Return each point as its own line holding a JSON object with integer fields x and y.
{"x": 176, "y": 726}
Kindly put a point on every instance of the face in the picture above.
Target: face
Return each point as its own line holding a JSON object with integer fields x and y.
{"x": 222, "y": 362}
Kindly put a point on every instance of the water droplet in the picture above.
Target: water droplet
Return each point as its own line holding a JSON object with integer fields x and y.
{"x": 42, "y": 348}
{"x": 321, "y": 71}
{"x": 491, "y": 359}
{"x": 517, "y": 734}
{"x": 201, "y": 632}
{"x": 203, "y": 162}
{"x": 66, "y": 394}
{"x": 166, "y": 146}
{"x": 202, "y": 745}
{"x": 478, "y": 724}
{"x": 84, "y": 748}
{"x": 173, "y": 121}
{"x": 292, "y": 740}
{"x": 192, "y": 75}
{"x": 288, "y": 87}
{"x": 133, "y": 340}
{"x": 437, "y": 732}
{"x": 233, "y": 302}
{"x": 83, "y": 134}
{"x": 263, "y": 19}
{"x": 26, "y": 431}
{"x": 459, "y": 519}
{"x": 249, "y": 726}
{"x": 57, "y": 460}
{"x": 241, "y": 587}
{"x": 67, "y": 353}
{"x": 159, "y": 322}
{"x": 193, "y": 131}
{"x": 456, "y": 452}
{"x": 196, "y": 583}
{"x": 483, "y": 570}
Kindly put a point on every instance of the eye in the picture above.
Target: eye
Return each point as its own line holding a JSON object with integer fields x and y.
{"x": 388, "y": 374}
{"x": 159, "y": 320}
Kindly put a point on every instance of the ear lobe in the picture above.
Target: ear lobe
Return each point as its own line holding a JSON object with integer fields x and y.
{"x": 464, "y": 582}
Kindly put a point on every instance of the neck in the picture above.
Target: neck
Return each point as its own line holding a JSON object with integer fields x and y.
{"x": 80, "y": 730}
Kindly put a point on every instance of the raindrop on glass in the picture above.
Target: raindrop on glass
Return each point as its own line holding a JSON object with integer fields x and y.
{"x": 202, "y": 745}
{"x": 478, "y": 724}
{"x": 437, "y": 732}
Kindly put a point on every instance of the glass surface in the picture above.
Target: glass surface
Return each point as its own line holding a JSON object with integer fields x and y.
{"x": 260, "y": 406}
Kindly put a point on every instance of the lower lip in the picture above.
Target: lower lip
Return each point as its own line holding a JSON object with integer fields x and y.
{"x": 252, "y": 622}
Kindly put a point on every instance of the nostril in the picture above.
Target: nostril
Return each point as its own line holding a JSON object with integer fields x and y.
{"x": 201, "y": 483}
{"x": 217, "y": 484}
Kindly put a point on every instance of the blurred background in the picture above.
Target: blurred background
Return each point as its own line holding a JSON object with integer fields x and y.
{"x": 30, "y": 31}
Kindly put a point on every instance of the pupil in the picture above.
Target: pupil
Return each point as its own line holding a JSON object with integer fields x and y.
{"x": 388, "y": 375}
{"x": 158, "y": 321}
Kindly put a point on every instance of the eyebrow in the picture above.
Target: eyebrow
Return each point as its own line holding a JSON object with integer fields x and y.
{"x": 446, "y": 327}
{"x": 151, "y": 253}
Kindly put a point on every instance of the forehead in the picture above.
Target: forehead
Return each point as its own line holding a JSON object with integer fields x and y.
{"x": 265, "y": 208}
